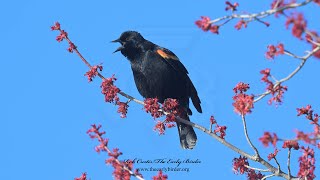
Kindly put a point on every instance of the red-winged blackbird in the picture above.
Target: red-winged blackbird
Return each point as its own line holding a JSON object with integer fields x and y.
{"x": 158, "y": 73}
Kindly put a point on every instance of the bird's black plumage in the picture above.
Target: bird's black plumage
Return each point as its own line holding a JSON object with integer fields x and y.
{"x": 158, "y": 73}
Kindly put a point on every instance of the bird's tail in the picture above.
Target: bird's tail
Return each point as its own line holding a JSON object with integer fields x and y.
{"x": 188, "y": 137}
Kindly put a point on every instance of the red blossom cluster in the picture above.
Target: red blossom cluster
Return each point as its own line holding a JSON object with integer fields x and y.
{"x": 152, "y": 106}
{"x": 82, "y": 177}
{"x": 94, "y": 133}
{"x": 170, "y": 106}
{"x": 212, "y": 120}
{"x": 274, "y": 51}
{"x": 243, "y": 103}
{"x": 240, "y": 24}
{"x": 276, "y": 91}
{"x": 221, "y": 130}
{"x": 120, "y": 167}
{"x": 310, "y": 138}
{"x": 122, "y": 109}
{"x": 239, "y": 166}
{"x": 299, "y": 24}
{"x": 205, "y": 24}
{"x": 241, "y": 87}
{"x": 56, "y": 27}
{"x": 313, "y": 117}
{"x": 307, "y": 164}
{"x": 160, "y": 176}
{"x": 71, "y": 47}
{"x": 278, "y": 4}
{"x": 268, "y": 138}
{"x": 252, "y": 175}
{"x": 218, "y": 129}
{"x": 109, "y": 90}
{"x": 305, "y": 137}
{"x": 290, "y": 144}
{"x": 230, "y": 6}
{"x": 273, "y": 155}
{"x": 122, "y": 170}
{"x": 160, "y": 127}
{"x": 93, "y": 72}
{"x": 63, "y": 35}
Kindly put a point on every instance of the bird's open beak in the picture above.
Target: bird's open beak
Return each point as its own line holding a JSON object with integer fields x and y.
{"x": 117, "y": 40}
{"x": 119, "y": 48}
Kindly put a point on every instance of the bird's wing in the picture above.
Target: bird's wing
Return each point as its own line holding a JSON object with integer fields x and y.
{"x": 174, "y": 62}
{"x": 172, "y": 59}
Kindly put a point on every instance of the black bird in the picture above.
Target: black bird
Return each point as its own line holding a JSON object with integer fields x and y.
{"x": 158, "y": 73}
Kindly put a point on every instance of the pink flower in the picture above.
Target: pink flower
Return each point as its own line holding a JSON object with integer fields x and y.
{"x": 122, "y": 109}
{"x": 82, "y": 177}
{"x": 307, "y": 164}
{"x": 109, "y": 90}
{"x": 274, "y": 51}
{"x": 56, "y": 26}
{"x": 71, "y": 47}
{"x": 93, "y": 72}
{"x": 239, "y": 165}
{"x": 290, "y": 144}
{"x": 243, "y": 103}
{"x": 273, "y": 155}
{"x": 299, "y": 24}
{"x": 232, "y": 7}
{"x": 160, "y": 176}
{"x": 61, "y": 36}
{"x": 252, "y": 175}
{"x": 221, "y": 130}
{"x": 241, "y": 23}
{"x": 212, "y": 120}
{"x": 268, "y": 138}
{"x": 205, "y": 24}
{"x": 152, "y": 106}
{"x": 241, "y": 87}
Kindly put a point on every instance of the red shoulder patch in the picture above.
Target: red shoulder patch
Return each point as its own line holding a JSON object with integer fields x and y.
{"x": 166, "y": 55}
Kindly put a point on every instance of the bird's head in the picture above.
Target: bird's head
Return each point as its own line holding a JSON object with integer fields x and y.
{"x": 130, "y": 43}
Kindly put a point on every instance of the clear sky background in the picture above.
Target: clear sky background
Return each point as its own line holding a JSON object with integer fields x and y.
{"x": 47, "y": 105}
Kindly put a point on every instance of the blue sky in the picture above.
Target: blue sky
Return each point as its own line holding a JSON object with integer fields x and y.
{"x": 47, "y": 105}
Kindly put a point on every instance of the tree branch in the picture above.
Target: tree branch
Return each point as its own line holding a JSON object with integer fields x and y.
{"x": 303, "y": 61}
{"x": 260, "y": 15}
{"x": 256, "y": 157}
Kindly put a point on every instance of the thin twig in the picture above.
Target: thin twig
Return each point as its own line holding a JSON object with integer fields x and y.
{"x": 288, "y": 165}
{"x": 303, "y": 61}
{"x": 257, "y": 169}
{"x": 247, "y": 137}
{"x": 260, "y": 15}
{"x": 268, "y": 176}
{"x": 275, "y": 159}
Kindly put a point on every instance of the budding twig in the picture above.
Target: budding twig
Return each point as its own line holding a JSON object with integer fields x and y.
{"x": 260, "y": 15}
